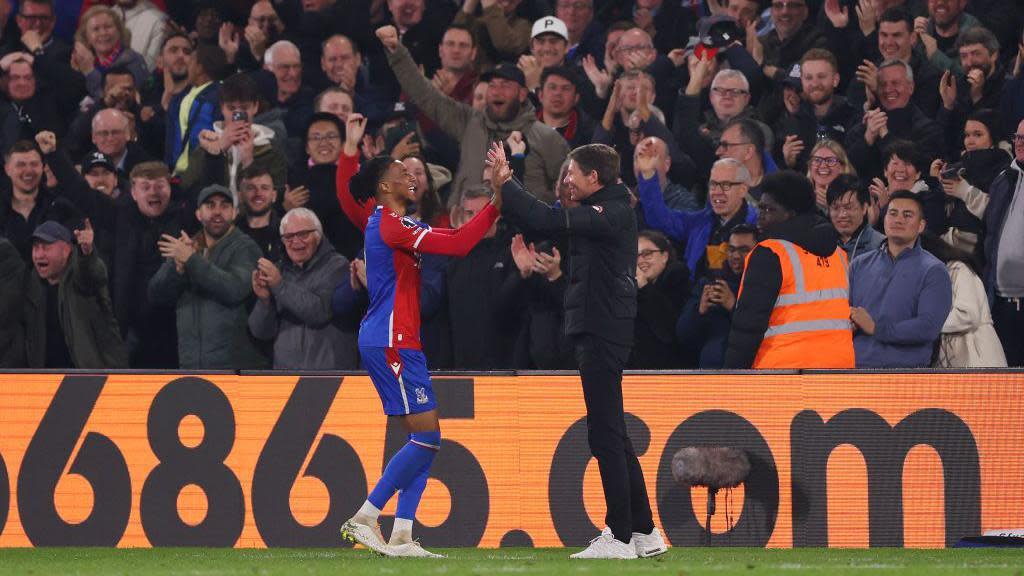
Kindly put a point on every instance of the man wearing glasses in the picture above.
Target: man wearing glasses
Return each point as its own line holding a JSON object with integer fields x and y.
{"x": 743, "y": 140}
{"x": 293, "y": 299}
{"x": 1004, "y": 253}
{"x": 35, "y": 21}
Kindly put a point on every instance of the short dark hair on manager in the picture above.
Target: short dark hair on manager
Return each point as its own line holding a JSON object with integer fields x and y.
{"x": 599, "y": 158}
{"x": 790, "y": 189}
{"x": 842, "y": 185}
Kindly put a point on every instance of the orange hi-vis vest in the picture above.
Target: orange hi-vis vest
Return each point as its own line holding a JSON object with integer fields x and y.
{"x": 810, "y": 324}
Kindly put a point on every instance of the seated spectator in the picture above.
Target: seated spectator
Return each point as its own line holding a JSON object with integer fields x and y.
{"x": 793, "y": 308}
{"x": 848, "y": 206}
{"x": 259, "y": 218}
{"x": 939, "y": 33}
{"x": 195, "y": 108}
{"x": 743, "y": 140}
{"x": 898, "y": 322}
{"x": 677, "y": 197}
{"x": 966, "y": 182}
{"x": 69, "y": 320}
{"x": 827, "y": 162}
{"x": 209, "y": 278}
{"x": 12, "y": 306}
{"x": 897, "y": 119}
{"x": 100, "y": 44}
{"x": 822, "y": 114}
{"x": 559, "y": 97}
{"x": 905, "y": 170}
{"x": 507, "y": 111}
{"x": 28, "y": 204}
{"x": 1004, "y": 257}
{"x": 112, "y": 135}
{"x": 703, "y": 328}
{"x": 663, "y": 285}
{"x": 293, "y": 307}
{"x": 705, "y": 233}
{"x": 147, "y": 25}
{"x": 503, "y": 35}
{"x": 285, "y": 62}
{"x": 236, "y": 142}
{"x": 969, "y": 339}
{"x": 420, "y": 29}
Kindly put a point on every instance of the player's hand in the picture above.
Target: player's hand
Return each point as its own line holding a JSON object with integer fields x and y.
{"x": 355, "y": 129}
{"x": 501, "y": 172}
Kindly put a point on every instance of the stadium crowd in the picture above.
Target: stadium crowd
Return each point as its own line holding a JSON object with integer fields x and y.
{"x": 171, "y": 195}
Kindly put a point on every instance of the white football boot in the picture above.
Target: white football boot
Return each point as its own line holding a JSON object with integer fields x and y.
{"x": 366, "y": 535}
{"x": 411, "y": 550}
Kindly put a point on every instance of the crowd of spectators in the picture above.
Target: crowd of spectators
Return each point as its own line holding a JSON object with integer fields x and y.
{"x": 171, "y": 194}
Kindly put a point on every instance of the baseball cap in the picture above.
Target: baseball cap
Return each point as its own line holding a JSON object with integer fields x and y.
{"x": 52, "y": 231}
{"x": 508, "y": 71}
{"x": 550, "y": 25}
{"x": 95, "y": 159}
{"x": 718, "y": 31}
{"x": 213, "y": 190}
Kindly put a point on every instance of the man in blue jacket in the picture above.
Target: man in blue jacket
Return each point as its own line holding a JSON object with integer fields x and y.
{"x": 201, "y": 101}
{"x": 705, "y": 232}
{"x": 900, "y": 294}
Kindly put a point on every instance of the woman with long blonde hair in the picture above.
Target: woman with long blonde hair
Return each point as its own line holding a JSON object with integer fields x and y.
{"x": 827, "y": 161}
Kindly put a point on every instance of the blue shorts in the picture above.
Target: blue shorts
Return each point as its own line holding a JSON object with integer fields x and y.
{"x": 401, "y": 378}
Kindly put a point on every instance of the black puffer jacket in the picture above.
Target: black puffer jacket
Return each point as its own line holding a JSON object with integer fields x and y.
{"x": 601, "y": 297}
{"x": 762, "y": 281}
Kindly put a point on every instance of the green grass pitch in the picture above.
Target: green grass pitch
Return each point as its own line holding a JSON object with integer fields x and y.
{"x": 526, "y": 561}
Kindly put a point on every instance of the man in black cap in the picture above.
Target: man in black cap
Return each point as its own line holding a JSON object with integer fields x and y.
{"x": 209, "y": 277}
{"x": 507, "y": 110}
{"x": 69, "y": 320}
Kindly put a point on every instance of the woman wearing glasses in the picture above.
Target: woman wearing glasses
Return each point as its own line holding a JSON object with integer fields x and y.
{"x": 828, "y": 160}
{"x": 663, "y": 285}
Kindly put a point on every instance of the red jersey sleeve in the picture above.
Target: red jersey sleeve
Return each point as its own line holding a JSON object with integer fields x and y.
{"x": 358, "y": 213}
{"x": 408, "y": 235}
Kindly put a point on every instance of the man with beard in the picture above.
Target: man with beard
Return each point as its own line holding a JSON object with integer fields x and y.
{"x": 194, "y": 108}
{"x": 507, "y": 110}
{"x": 940, "y": 32}
{"x": 209, "y": 277}
{"x": 982, "y": 84}
{"x": 171, "y": 74}
{"x": 259, "y": 218}
{"x": 821, "y": 114}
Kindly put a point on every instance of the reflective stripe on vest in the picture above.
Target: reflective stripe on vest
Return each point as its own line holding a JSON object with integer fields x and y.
{"x": 807, "y": 326}
{"x": 802, "y": 296}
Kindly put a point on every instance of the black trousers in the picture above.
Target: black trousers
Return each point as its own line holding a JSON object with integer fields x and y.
{"x": 1008, "y": 317}
{"x": 625, "y": 493}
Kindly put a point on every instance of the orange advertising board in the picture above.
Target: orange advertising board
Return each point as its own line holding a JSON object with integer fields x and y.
{"x": 250, "y": 461}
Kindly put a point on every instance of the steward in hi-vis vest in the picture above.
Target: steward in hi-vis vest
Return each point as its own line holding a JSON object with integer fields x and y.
{"x": 793, "y": 309}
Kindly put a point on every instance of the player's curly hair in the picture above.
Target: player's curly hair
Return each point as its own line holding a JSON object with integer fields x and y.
{"x": 364, "y": 183}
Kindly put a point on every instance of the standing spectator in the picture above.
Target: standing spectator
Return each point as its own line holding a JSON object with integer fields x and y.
{"x": 36, "y": 21}
{"x": 705, "y": 233}
{"x": 334, "y": 100}
{"x": 792, "y": 310}
{"x": 69, "y": 319}
{"x": 28, "y": 204}
{"x": 112, "y": 135}
{"x": 938, "y": 33}
{"x": 663, "y": 285}
{"x": 900, "y": 294}
{"x": 906, "y": 169}
{"x": 100, "y": 44}
{"x": 793, "y": 35}
{"x": 704, "y": 326}
{"x": 968, "y": 338}
{"x": 341, "y": 61}
{"x": 285, "y": 62}
{"x": 502, "y": 33}
{"x": 245, "y": 49}
{"x": 419, "y": 29}
{"x": 147, "y": 26}
{"x": 677, "y": 197}
{"x": 28, "y": 109}
{"x": 293, "y": 306}
{"x": 743, "y": 140}
{"x": 458, "y": 72}
{"x": 209, "y": 277}
{"x": 982, "y": 84}
{"x": 848, "y": 207}
{"x": 1004, "y": 253}
{"x": 586, "y": 37}
{"x": 827, "y": 162}
{"x": 822, "y": 114}
{"x": 559, "y": 97}
{"x": 549, "y": 45}
{"x": 170, "y": 77}
{"x": 193, "y": 109}
{"x": 12, "y": 306}
{"x": 259, "y": 218}
{"x": 507, "y": 111}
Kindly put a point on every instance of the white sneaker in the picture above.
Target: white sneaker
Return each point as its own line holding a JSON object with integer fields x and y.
{"x": 367, "y": 536}
{"x": 606, "y": 546}
{"x": 648, "y": 545}
{"x": 411, "y": 550}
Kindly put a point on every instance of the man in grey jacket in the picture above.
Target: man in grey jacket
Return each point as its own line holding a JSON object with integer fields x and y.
{"x": 507, "y": 110}
{"x": 294, "y": 300}
{"x": 210, "y": 278}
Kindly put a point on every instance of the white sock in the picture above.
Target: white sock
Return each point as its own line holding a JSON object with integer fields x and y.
{"x": 368, "y": 512}
{"x": 402, "y": 531}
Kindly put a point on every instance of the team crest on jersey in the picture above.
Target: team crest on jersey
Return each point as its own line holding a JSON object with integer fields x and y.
{"x": 421, "y": 396}
{"x": 599, "y": 209}
{"x": 408, "y": 222}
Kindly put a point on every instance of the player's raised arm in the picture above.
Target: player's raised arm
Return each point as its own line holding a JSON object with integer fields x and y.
{"x": 348, "y": 164}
